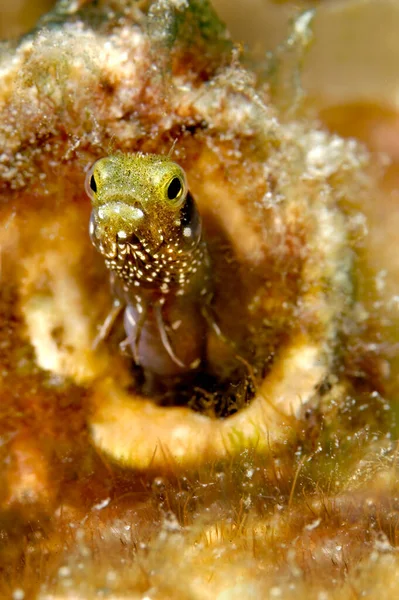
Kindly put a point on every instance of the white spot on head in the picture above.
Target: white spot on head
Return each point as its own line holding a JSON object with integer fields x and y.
{"x": 122, "y": 234}
{"x": 187, "y": 231}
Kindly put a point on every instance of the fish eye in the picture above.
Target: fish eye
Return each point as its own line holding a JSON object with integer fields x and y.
{"x": 175, "y": 189}
{"x": 93, "y": 184}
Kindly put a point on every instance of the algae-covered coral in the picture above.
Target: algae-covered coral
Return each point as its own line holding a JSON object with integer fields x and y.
{"x": 106, "y": 490}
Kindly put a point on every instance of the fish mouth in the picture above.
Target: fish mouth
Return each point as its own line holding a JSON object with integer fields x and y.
{"x": 110, "y": 229}
{"x": 118, "y": 230}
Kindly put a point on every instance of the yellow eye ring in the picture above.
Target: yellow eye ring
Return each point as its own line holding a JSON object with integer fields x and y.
{"x": 90, "y": 182}
{"x": 175, "y": 190}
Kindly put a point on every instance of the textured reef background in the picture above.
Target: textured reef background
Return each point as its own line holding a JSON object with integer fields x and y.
{"x": 285, "y": 123}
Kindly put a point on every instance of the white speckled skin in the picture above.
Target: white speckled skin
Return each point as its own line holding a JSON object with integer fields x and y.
{"x": 153, "y": 246}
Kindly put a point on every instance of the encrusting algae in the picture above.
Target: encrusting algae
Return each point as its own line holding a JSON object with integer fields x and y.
{"x": 219, "y": 455}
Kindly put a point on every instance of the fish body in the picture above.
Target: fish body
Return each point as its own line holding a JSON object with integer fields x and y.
{"x": 146, "y": 224}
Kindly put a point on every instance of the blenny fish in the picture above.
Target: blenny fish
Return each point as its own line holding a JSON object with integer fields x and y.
{"x": 146, "y": 224}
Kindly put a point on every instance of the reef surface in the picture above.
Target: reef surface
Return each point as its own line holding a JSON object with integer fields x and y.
{"x": 107, "y": 491}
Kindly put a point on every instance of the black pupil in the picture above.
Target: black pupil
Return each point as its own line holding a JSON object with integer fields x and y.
{"x": 93, "y": 184}
{"x": 174, "y": 188}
